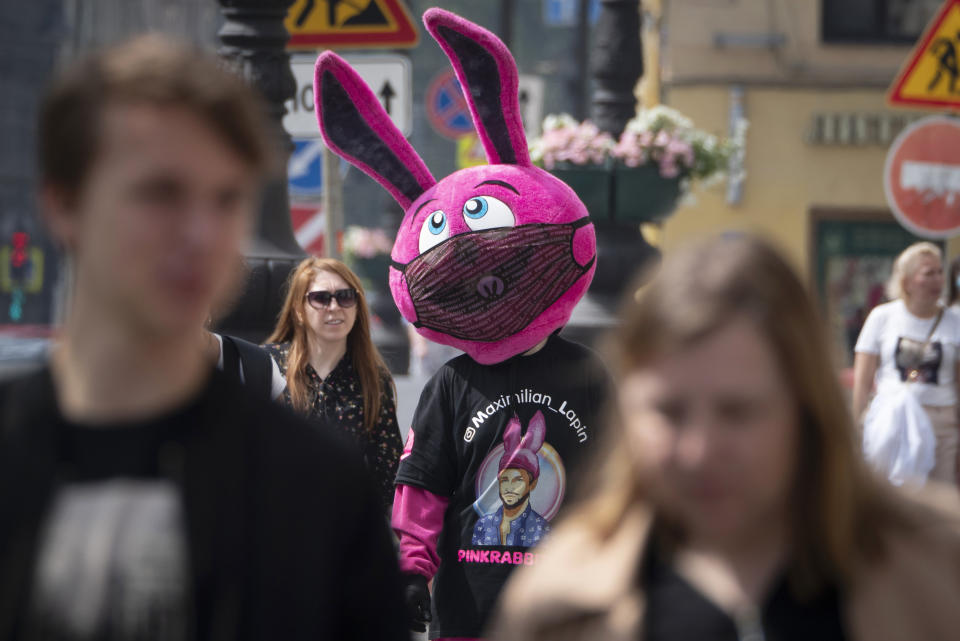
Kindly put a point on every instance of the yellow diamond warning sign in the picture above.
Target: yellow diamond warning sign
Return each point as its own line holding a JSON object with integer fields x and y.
{"x": 931, "y": 77}
{"x": 344, "y": 24}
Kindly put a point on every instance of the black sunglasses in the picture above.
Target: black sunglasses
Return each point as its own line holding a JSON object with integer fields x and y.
{"x": 320, "y": 299}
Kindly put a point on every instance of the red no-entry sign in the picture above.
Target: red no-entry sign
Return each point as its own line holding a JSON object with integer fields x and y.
{"x": 921, "y": 177}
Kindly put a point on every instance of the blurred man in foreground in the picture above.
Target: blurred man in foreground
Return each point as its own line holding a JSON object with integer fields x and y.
{"x": 142, "y": 494}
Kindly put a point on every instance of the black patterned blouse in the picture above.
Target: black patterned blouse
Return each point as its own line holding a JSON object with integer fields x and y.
{"x": 339, "y": 400}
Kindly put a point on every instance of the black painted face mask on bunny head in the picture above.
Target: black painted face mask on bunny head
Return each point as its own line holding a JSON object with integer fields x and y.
{"x": 489, "y": 285}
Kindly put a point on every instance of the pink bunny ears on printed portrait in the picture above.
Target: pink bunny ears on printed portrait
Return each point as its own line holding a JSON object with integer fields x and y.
{"x": 490, "y": 259}
{"x": 522, "y": 453}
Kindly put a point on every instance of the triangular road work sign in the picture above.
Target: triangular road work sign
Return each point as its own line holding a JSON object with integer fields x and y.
{"x": 931, "y": 77}
{"x": 345, "y": 24}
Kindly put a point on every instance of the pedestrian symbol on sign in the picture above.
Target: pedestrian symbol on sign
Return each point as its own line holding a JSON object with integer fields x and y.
{"x": 946, "y": 53}
{"x": 350, "y": 23}
{"x": 342, "y": 13}
{"x": 931, "y": 76}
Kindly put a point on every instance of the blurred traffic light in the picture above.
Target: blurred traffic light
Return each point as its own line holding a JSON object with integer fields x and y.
{"x": 21, "y": 272}
{"x": 19, "y": 261}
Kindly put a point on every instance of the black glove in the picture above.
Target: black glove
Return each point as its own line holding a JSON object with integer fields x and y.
{"x": 416, "y": 595}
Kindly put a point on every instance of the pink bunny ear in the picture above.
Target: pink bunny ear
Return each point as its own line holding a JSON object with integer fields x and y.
{"x": 511, "y": 436}
{"x": 536, "y": 433}
{"x": 355, "y": 126}
{"x": 488, "y": 75}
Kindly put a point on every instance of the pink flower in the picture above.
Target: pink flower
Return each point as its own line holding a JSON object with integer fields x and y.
{"x": 362, "y": 242}
{"x": 682, "y": 150}
{"x": 568, "y": 141}
{"x": 668, "y": 168}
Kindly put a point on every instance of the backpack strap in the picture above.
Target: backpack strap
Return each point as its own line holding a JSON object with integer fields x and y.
{"x": 231, "y": 359}
{"x": 913, "y": 374}
{"x": 257, "y": 364}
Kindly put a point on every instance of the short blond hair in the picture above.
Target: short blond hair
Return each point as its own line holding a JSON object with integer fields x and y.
{"x": 905, "y": 265}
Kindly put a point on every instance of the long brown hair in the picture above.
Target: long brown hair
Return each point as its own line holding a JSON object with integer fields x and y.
{"x": 366, "y": 359}
{"x": 838, "y": 506}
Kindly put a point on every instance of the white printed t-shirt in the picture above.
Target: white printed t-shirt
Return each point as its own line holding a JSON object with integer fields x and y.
{"x": 896, "y": 335}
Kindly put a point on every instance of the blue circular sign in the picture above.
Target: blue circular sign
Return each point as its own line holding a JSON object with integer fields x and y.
{"x": 447, "y": 109}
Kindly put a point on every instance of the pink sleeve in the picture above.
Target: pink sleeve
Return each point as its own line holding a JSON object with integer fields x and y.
{"x": 417, "y": 520}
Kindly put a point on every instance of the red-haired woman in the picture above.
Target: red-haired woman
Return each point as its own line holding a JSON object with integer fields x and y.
{"x": 333, "y": 370}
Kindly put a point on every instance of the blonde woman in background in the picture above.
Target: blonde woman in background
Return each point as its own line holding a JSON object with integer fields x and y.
{"x": 335, "y": 375}
{"x": 733, "y": 502}
{"x": 914, "y": 340}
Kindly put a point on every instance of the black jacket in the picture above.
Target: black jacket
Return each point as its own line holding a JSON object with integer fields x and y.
{"x": 285, "y": 534}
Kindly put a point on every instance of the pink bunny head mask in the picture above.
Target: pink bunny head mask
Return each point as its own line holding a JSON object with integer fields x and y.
{"x": 490, "y": 259}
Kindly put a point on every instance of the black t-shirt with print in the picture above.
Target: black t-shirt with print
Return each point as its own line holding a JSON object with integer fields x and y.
{"x": 115, "y": 486}
{"x": 456, "y": 449}
{"x": 225, "y": 518}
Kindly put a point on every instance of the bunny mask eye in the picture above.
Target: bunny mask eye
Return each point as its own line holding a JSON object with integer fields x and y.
{"x": 435, "y": 230}
{"x": 487, "y": 212}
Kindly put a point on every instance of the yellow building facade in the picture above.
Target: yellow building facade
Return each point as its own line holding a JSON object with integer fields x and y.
{"x": 811, "y": 80}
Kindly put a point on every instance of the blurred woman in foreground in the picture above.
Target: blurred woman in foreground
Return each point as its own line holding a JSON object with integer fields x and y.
{"x": 335, "y": 375}
{"x": 735, "y": 504}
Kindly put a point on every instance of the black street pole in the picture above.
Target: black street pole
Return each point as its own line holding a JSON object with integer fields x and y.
{"x": 582, "y": 107}
{"x": 616, "y": 63}
{"x": 506, "y": 22}
{"x": 253, "y": 40}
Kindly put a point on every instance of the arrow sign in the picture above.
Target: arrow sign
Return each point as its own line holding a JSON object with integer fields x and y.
{"x": 388, "y": 75}
{"x": 300, "y": 162}
{"x": 305, "y": 168}
{"x": 386, "y": 94}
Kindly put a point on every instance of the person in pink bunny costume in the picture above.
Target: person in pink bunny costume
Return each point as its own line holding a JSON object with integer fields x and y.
{"x": 490, "y": 260}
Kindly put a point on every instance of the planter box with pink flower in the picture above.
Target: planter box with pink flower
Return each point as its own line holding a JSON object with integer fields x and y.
{"x": 593, "y": 184}
{"x": 643, "y": 194}
{"x": 642, "y": 176}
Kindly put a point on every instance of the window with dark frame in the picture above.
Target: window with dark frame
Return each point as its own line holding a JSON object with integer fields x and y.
{"x": 875, "y": 21}
{"x": 853, "y": 256}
